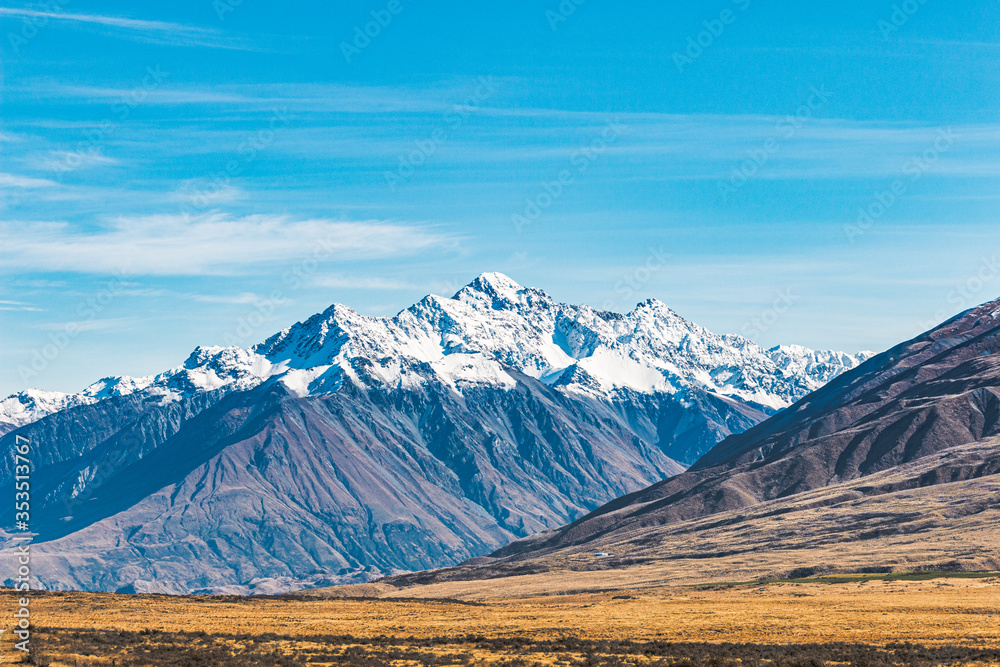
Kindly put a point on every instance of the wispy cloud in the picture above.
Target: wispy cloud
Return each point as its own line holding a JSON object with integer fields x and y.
{"x": 39, "y": 284}
{"x": 205, "y": 193}
{"x": 18, "y": 306}
{"x": 346, "y": 282}
{"x": 90, "y": 325}
{"x": 70, "y": 160}
{"x": 157, "y": 32}
{"x": 130, "y": 24}
{"x": 213, "y": 243}
{"x": 238, "y": 299}
{"x": 327, "y": 97}
{"x": 44, "y": 89}
{"x": 15, "y": 181}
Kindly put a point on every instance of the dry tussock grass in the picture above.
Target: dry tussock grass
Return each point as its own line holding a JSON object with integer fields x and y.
{"x": 869, "y": 624}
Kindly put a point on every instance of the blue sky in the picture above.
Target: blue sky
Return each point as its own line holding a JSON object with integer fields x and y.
{"x": 204, "y": 173}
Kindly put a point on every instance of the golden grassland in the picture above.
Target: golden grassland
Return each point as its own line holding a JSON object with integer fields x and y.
{"x": 105, "y": 629}
{"x": 837, "y": 528}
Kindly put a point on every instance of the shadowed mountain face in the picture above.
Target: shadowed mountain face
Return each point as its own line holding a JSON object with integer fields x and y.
{"x": 216, "y": 491}
{"x": 937, "y": 513}
{"x": 348, "y": 447}
{"x": 932, "y": 393}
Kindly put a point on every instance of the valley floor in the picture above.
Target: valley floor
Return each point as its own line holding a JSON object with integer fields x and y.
{"x": 948, "y": 620}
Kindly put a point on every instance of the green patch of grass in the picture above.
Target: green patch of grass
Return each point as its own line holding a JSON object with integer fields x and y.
{"x": 890, "y": 576}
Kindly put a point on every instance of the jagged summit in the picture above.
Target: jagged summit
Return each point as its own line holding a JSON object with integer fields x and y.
{"x": 498, "y": 291}
{"x": 655, "y": 304}
{"x": 31, "y": 405}
{"x": 490, "y": 327}
{"x": 494, "y": 284}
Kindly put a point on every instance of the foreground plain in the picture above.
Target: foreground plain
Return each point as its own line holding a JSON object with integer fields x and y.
{"x": 945, "y": 620}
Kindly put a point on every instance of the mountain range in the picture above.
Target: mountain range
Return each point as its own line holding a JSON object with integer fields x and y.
{"x": 892, "y": 465}
{"x": 348, "y": 447}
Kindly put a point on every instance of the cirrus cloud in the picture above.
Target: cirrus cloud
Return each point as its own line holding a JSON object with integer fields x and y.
{"x": 213, "y": 243}
{"x": 149, "y": 32}
{"x": 71, "y": 160}
{"x": 16, "y": 181}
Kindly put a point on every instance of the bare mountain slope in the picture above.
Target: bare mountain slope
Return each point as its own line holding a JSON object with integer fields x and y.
{"x": 263, "y": 489}
{"x": 927, "y": 395}
{"x": 940, "y": 512}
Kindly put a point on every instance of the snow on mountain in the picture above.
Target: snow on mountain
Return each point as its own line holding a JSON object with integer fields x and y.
{"x": 815, "y": 367}
{"x": 207, "y": 369}
{"x": 494, "y": 323}
{"x": 31, "y": 405}
{"x": 477, "y": 337}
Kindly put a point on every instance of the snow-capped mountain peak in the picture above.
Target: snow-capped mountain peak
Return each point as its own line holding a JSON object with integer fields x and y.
{"x": 31, "y": 405}
{"x": 821, "y": 365}
{"x": 499, "y": 292}
{"x": 494, "y": 284}
{"x": 490, "y": 326}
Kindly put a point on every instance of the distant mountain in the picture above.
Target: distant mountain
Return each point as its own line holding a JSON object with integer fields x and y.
{"x": 29, "y": 406}
{"x": 347, "y": 447}
{"x": 919, "y": 403}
